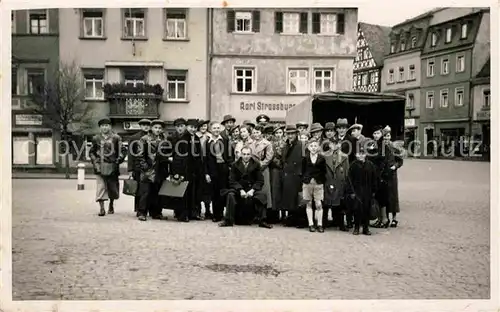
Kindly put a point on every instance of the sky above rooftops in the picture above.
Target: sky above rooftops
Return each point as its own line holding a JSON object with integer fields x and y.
{"x": 390, "y": 15}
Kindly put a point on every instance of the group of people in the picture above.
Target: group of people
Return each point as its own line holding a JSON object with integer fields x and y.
{"x": 255, "y": 173}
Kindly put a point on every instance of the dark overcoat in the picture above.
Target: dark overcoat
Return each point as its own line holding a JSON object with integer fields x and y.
{"x": 109, "y": 150}
{"x": 391, "y": 178}
{"x": 152, "y": 158}
{"x": 241, "y": 178}
{"x": 133, "y": 151}
{"x": 276, "y": 167}
{"x": 337, "y": 168}
{"x": 292, "y": 174}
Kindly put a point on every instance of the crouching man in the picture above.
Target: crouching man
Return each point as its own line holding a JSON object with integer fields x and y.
{"x": 245, "y": 188}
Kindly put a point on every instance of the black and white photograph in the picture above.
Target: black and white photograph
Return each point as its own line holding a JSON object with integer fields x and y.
{"x": 180, "y": 156}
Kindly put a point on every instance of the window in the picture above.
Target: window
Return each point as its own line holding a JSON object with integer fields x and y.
{"x": 243, "y": 22}
{"x": 459, "y": 96}
{"x": 434, "y": 39}
{"x": 463, "y": 31}
{"x": 291, "y": 23}
{"x": 359, "y": 57}
{"x": 411, "y": 72}
{"x": 176, "y": 24}
{"x": 13, "y": 79}
{"x": 298, "y": 81}
{"x": 354, "y": 81}
{"x": 391, "y": 76}
{"x": 445, "y": 66}
{"x": 176, "y": 85}
{"x": 486, "y": 99}
{"x": 135, "y": 77}
{"x": 430, "y": 68}
{"x": 323, "y": 80}
{"x": 36, "y": 80}
{"x": 39, "y": 22}
{"x": 328, "y": 24}
{"x": 364, "y": 80}
{"x": 44, "y": 149}
{"x": 401, "y": 76}
{"x": 430, "y": 100}
{"x": 358, "y": 78}
{"x": 460, "y": 63}
{"x": 244, "y": 80}
{"x": 374, "y": 77}
{"x": 403, "y": 45}
{"x": 92, "y": 24}
{"x": 94, "y": 82}
{"x": 134, "y": 23}
{"x": 410, "y": 102}
{"x": 448, "y": 35}
{"x": 366, "y": 54}
{"x": 413, "y": 42}
{"x": 443, "y": 100}
{"x": 393, "y": 48}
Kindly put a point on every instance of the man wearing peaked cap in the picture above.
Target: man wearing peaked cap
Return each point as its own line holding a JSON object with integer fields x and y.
{"x": 144, "y": 121}
{"x": 104, "y": 121}
{"x": 262, "y": 118}
{"x": 158, "y": 122}
{"x": 192, "y": 125}
{"x": 179, "y": 122}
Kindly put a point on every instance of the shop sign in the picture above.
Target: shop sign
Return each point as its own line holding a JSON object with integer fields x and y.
{"x": 274, "y": 106}
{"x": 131, "y": 125}
{"x": 29, "y": 120}
{"x": 409, "y": 122}
{"x": 482, "y": 115}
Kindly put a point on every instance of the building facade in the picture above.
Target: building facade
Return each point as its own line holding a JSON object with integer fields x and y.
{"x": 454, "y": 52}
{"x": 139, "y": 62}
{"x": 401, "y": 72}
{"x": 372, "y": 44}
{"x": 481, "y": 98}
{"x": 266, "y": 61}
{"x": 35, "y": 54}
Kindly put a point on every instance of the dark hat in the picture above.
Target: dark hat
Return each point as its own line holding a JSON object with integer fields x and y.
{"x": 249, "y": 123}
{"x": 342, "y": 122}
{"x": 179, "y": 121}
{"x": 144, "y": 121}
{"x": 192, "y": 122}
{"x": 278, "y": 127}
{"x": 202, "y": 122}
{"x": 386, "y": 130}
{"x": 291, "y": 128}
{"x": 269, "y": 129}
{"x": 104, "y": 121}
{"x": 377, "y": 128}
{"x": 302, "y": 124}
{"x": 228, "y": 118}
{"x": 158, "y": 122}
{"x": 262, "y": 116}
{"x": 233, "y": 128}
{"x": 356, "y": 126}
{"x": 329, "y": 126}
{"x": 315, "y": 127}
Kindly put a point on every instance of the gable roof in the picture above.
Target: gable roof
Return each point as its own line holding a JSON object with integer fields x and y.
{"x": 485, "y": 71}
{"x": 377, "y": 39}
{"x": 421, "y": 16}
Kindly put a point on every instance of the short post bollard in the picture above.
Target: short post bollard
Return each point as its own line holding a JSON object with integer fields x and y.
{"x": 81, "y": 176}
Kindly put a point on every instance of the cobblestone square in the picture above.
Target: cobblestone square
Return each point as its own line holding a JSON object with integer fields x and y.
{"x": 63, "y": 251}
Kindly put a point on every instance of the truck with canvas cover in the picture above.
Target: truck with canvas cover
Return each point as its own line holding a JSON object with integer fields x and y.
{"x": 368, "y": 109}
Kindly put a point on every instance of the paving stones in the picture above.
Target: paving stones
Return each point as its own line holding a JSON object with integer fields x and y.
{"x": 62, "y": 250}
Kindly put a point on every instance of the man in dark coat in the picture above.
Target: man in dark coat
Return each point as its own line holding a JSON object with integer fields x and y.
{"x": 152, "y": 163}
{"x": 292, "y": 154}
{"x": 133, "y": 147}
{"x": 228, "y": 122}
{"x": 107, "y": 153}
{"x": 216, "y": 169}
{"x": 262, "y": 119}
{"x": 196, "y": 161}
{"x": 342, "y": 137}
{"x": 245, "y": 185}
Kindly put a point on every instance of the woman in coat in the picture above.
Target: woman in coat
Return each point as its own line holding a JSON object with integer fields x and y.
{"x": 204, "y": 189}
{"x": 379, "y": 155}
{"x": 337, "y": 168}
{"x": 263, "y": 151}
{"x": 276, "y": 167}
{"x": 395, "y": 161}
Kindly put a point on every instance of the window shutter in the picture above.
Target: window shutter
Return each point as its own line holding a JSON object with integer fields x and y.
{"x": 340, "y": 23}
{"x": 278, "y": 22}
{"x": 304, "y": 22}
{"x": 316, "y": 23}
{"x": 231, "y": 14}
{"x": 256, "y": 21}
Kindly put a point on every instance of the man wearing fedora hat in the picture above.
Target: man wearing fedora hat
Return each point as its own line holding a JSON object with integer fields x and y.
{"x": 316, "y": 131}
{"x": 133, "y": 151}
{"x": 228, "y": 122}
{"x": 292, "y": 153}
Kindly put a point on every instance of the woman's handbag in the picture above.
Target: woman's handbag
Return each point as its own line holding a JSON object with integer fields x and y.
{"x": 130, "y": 187}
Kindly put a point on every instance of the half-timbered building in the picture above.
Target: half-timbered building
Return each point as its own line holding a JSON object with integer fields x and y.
{"x": 372, "y": 43}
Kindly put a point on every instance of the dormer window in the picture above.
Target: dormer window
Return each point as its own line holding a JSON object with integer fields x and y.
{"x": 434, "y": 39}
{"x": 448, "y": 35}
{"x": 393, "y": 48}
{"x": 463, "y": 31}
{"x": 413, "y": 42}
{"x": 403, "y": 45}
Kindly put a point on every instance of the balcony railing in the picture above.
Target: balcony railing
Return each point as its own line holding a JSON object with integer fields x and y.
{"x": 133, "y": 102}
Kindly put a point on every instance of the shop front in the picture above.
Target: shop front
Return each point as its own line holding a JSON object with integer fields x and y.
{"x": 32, "y": 143}
{"x": 411, "y": 136}
{"x": 249, "y": 106}
{"x": 482, "y": 134}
